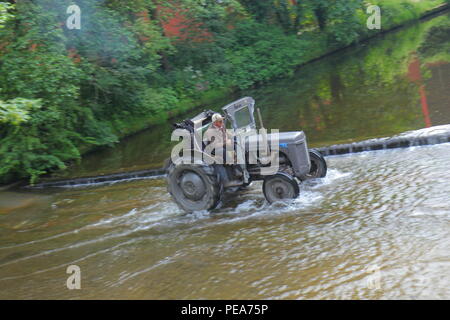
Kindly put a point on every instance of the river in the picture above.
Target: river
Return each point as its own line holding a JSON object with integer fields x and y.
{"x": 377, "y": 227}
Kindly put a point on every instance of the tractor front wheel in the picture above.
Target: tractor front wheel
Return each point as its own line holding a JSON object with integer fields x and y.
{"x": 280, "y": 186}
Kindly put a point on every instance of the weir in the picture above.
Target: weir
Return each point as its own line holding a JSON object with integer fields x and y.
{"x": 422, "y": 137}
{"x": 104, "y": 179}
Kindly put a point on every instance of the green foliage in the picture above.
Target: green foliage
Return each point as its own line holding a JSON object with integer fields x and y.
{"x": 397, "y": 12}
{"x": 262, "y": 52}
{"x": 36, "y": 145}
{"x": 343, "y": 24}
{"x": 159, "y": 100}
{"x": 17, "y": 111}
{"x": 5, "y": 14}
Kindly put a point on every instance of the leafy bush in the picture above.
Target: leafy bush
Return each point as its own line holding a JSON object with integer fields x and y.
{"x": 159, "y": 100}
{"x": 262, "y": 52}
{"x": 17, "y": 111}
{"x": 36, "y": 144}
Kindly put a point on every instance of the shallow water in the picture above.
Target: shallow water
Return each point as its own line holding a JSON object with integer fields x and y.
{"x": 384, "y": 210}
{"x": 377, "y": 227}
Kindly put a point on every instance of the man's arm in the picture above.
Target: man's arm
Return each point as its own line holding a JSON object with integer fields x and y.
{"x": 212, "y": 137}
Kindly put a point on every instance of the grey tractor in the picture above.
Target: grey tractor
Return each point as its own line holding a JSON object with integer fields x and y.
{"x": 196, "y": 182}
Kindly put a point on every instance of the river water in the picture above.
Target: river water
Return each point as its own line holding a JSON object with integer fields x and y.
{"x": 377, "y": 227}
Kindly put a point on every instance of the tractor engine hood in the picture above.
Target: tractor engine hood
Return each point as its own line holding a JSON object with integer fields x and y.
{"x": 284, "y": 140}
{"x": 292, "y": 144}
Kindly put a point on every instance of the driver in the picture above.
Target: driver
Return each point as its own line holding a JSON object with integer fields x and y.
{"x": 217, "y": 135}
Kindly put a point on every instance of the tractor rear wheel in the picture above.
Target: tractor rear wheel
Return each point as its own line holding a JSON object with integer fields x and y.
{"x": 194, "y": 187}
{"x": 280, "y": 186}
{"x": 318, "y": 165}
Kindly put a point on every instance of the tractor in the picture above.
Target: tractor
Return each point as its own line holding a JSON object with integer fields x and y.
{"x": 196, "y": 183}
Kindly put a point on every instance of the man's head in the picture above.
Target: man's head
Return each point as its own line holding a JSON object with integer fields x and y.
{"x": 217, "y": 120}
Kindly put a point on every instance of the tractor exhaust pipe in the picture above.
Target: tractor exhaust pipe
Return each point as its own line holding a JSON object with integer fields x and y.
{"x": 260, "y": 118}
{"x": 263, "y": 133}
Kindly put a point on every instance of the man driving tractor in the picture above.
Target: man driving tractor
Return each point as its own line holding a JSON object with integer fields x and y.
{"x": 197, "y": 184}
{"x": 217, "y": 136}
